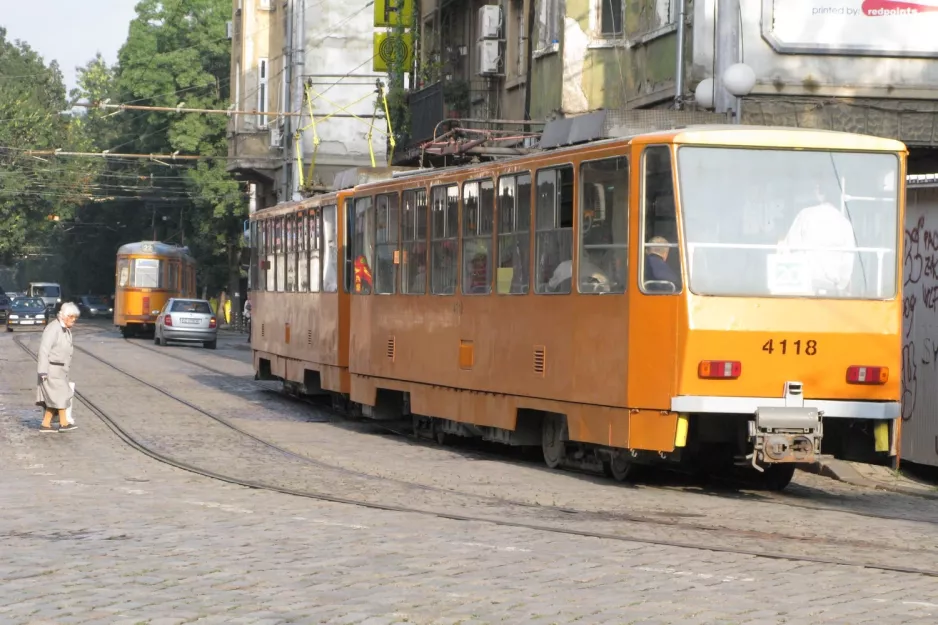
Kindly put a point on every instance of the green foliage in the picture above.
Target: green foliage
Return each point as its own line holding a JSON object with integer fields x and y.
{"x": 32, "y": 97}
{"x": 176, "y": 52}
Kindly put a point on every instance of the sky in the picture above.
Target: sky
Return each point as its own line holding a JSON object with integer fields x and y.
{"x": 69, "y": 31}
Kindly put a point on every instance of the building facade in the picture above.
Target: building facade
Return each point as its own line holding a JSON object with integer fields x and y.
{"x": 859, "y": 66}
{"x": 286, "y": 55}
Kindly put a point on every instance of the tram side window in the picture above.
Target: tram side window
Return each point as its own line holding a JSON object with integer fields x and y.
{"x": 123, "y": 272}
{"x": 281, "y": 254}
{"x": 363, "y": 246}
{"x": 330, "y": 283}
{"x": 478, "y": 214}
{"x": 172, "y": 276}
{"x": 270, "y": 272}
{"x": 414, "y": 242}
{"x": 252, "y": 271}
{"x": 348, "y": 279}
{"x": 386, "y": 238}
{"x": 554, "y": 230}
{"x": 514, "y": 235}
{"x": 604, "y": 226}
{"x": 147, "y": 273}
{"x": 661, "y": 256}
{"x": 444, "y": 206}
{"x": 291, "y": 221}
{"x": 314, "y": 250}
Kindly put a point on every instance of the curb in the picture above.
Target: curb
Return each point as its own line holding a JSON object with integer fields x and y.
{"x": 842, "y": 472}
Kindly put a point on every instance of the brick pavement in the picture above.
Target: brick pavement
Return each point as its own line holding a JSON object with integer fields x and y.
{"x": 93, "y": 531}
{"x": 605, "y": 505}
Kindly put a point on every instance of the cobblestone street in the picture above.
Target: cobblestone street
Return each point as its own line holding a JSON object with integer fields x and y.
{"x": 95, "y": 531}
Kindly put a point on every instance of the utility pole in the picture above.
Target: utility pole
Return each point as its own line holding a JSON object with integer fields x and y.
{"x": 727, "y": 53}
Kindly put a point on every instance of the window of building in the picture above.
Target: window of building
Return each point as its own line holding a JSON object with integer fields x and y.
{"x": 610, "y": 18}
{"x": 363, "y": 246}
{"x": 478, "y": 206}
{"x": 414, "y": 242}
{"x": 314, "y": 232}
{"x": 386, "y": 240}
{"x": 514, "y": 234}
{"x": 262, "y": 93}
{"x": 554, "y": 230}
{"x": 604, "y": 226}
{"x": 548, "y": 24}
{"x": 661, "y": 256}
{"x": 444, "y": 208}
{"x": 330, "y": 240}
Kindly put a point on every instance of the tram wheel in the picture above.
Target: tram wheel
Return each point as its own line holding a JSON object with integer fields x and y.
{"x": 618, "y": 467}
{"x": 552, "y": 443}
{"x": 775, "y": 478}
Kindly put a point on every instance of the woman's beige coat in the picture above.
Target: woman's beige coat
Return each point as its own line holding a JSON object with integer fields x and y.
{"x": 55, "y": 359}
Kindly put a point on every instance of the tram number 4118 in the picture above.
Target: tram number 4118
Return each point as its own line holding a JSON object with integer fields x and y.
{"x": 799, "y": 347}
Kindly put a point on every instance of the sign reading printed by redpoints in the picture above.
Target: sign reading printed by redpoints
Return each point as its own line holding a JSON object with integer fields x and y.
{"x": 857, "y": 27}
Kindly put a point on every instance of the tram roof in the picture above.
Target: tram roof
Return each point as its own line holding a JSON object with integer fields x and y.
{"x": 155, "y": 248}
{"x": 726, "y": 135}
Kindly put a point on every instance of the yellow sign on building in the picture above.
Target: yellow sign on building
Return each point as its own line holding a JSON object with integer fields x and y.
{"x": 394, "y": 12}
{"x": 392, "y": 48}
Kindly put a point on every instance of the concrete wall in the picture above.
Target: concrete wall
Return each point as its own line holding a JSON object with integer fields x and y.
{"x": 920, "y": 342}
{"x": 814, "y": 74}
{"x": 338, "y": 55}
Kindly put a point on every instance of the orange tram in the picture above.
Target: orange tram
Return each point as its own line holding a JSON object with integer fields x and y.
{"x": 723, "y": 297}
{"x": 148, "y": 274}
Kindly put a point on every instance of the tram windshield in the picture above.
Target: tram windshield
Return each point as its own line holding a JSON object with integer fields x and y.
{"x": 790, "y": 223}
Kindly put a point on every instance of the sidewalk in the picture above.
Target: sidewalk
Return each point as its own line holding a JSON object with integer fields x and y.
{"x": 874, "y": 476}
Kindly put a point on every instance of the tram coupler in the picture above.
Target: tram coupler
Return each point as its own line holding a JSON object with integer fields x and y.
{"x": 785, "y": 434}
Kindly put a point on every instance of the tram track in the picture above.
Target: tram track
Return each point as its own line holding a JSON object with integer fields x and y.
{"x": 128, "y": 438}
{"x": 777, "y": 499}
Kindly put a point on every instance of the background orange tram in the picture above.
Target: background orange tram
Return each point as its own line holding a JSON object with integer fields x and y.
{"x": 148, "y": 274}
{"x": 724, "y": 296}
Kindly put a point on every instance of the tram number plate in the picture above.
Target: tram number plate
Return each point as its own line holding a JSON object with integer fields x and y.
{"x": 800, "y": 347}
{"x": 190, "y": 321}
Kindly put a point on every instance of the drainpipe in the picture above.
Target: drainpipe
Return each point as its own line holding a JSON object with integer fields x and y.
{"x": 296, "y": 91}
{"x": 679, "y": 73}
{"x": 530, "y": 63}
{"x": 289, "y": 28}
{"x": 727, "y": 53}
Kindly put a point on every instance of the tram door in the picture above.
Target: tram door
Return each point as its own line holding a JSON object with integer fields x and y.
{"x": 656, "y": 293}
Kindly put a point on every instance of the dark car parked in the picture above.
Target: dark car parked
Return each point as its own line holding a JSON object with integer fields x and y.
{"x": 27, "y": 312}
{"x": 94, "y": 306}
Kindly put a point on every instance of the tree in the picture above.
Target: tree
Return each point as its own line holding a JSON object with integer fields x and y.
{"x": 35, "y": 194}
{"x": 177, "y": 50}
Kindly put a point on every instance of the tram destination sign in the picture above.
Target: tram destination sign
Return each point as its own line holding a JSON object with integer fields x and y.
{"x": 904, "y": 28}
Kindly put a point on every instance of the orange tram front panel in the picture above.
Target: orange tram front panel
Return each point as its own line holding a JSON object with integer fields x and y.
{"x": 148, "y": 274}
{"x": 727, "y": 295}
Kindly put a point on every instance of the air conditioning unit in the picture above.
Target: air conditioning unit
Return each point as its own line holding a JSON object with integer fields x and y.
{"x": 229, "y": 29}
{"x": 276, "y": 137}
{"x": 489, "y": 55}
{"x": 490, "y": 21}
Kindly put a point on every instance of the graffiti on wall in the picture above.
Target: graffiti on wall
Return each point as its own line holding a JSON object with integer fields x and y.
{"x": 919, "y": 309}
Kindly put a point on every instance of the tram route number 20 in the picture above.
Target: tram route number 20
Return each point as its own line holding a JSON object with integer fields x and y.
{"x": 799, "y": 347}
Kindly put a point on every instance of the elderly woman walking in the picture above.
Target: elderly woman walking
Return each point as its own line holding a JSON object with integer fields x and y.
{"x": 55, "y": 359}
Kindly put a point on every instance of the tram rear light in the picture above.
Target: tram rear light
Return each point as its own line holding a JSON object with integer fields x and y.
{"x": 719, "y": 369}
{"x": 168, "y": 321}
{"x": 867, "y": 375}
{"x": 212, "y": 322}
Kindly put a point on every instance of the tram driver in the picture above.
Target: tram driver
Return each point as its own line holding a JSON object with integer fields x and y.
{"x": 815, "y": 234}
{"x": 656, "y": 262}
